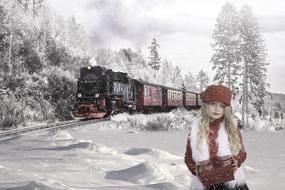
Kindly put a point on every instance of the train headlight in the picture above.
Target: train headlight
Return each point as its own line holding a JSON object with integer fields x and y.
{"x": 96, "y": 95}
{"x": 79, "y": 95}
{"x": 88, "y": 67}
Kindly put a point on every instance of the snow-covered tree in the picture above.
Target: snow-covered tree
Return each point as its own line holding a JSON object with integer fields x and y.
{"x": 225, "y": 46}
{"x": 25, "y": 4}
{"x": 202, "y": 80}
{"x": 104, "y": 57}
{"x": 154, "y": 58}
{"x": 30, "y": 44}
{"x": 177, "y": 79}
{"x": 166, "y": 69}
{"x": 76, "y": 37}
{"x": 33, "y": 5}
{"x": 36, "y": 6}
{"x": 253, "y": 53}
{"x": 190, "y": 82}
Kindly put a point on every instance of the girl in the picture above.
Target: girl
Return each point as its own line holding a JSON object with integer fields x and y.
{"x": 213, "y": 135}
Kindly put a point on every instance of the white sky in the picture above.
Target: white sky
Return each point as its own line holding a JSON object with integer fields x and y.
{"x": 183, "y": 28}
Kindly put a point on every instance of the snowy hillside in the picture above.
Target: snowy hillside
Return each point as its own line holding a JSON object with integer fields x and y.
{"x": 118, "y": 154}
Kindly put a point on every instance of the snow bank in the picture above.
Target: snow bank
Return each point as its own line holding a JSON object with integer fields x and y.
{"x": 143, "y": 173}
{"x": 164, "y": 186}
{"x": 157, "y": 154}
{"x": 177, "y": 119}
{"x": 39, "y": 185}
{"x": 250, "y": 169}
{"x": 60, "y": 135}
{"x": 267, "y": 124}
{"x": 85, "y": 145}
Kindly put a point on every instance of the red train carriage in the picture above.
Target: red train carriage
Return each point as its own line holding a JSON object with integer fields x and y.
{"x": 173, "y": 98}
{"x": 149, "y": 97}
{"x": 190, "y": 99}
{"x": 199, "y": 101}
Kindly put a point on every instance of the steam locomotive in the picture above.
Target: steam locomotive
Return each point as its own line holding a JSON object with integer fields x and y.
{"x": 102, "y": 92}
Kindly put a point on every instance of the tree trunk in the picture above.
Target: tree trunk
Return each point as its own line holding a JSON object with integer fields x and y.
{"x": 244, "y": 93}
{"x": 10, "y": 48}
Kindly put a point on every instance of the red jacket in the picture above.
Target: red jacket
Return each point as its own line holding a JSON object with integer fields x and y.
{"x": 213, "y": 148}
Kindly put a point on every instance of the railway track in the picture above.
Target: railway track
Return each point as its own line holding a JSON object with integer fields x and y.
{"x": 51, "y": 126}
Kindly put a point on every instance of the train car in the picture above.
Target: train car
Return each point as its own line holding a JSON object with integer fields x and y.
{"x": 199, "y": 101}
{"x": 173, "y": 98}
{"x": 190, "y": 100}
{"x": 149, "y": 97}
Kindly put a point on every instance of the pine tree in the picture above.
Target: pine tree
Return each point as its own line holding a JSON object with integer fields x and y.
{"x": 154, "y": 58}
{"x": 203, "y": 80}
{"x": 253, "y": 53}
{"x": 225, "y": 46}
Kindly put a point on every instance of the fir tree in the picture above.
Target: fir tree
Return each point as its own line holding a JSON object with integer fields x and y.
{"x": 202, "y": 80}
{"x": 154, "y": 58}
{"x": 225, "y": 46}
{"x": 253, "y": 53}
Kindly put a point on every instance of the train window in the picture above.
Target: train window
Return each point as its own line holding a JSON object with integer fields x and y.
{"x": 114, "y": 87}
{"x": 145, "y": 91}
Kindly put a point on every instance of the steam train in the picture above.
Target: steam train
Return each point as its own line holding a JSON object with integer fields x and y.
{"x": 102, "y": 92}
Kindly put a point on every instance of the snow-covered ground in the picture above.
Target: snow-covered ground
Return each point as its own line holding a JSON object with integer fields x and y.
{"x": 119, "y": 155}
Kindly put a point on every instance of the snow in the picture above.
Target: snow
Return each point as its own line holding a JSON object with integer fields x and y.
{"x": 117, "y": 155}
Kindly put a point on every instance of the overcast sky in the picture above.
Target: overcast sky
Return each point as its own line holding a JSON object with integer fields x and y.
{"x": 183, "y": 29}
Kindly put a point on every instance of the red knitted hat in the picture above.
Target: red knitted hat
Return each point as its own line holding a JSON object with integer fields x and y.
{"x": 217, "y": 93}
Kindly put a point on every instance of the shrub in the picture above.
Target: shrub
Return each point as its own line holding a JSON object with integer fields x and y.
{"x": 11, "y": 113}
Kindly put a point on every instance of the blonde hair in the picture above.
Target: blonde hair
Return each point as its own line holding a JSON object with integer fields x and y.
{"x": 230, "y": 128}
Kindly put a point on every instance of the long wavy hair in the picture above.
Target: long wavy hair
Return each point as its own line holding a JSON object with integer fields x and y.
{"x": 230, "y": 128}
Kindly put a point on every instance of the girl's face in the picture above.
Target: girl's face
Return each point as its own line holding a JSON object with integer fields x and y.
{"x": 216, "y": 110}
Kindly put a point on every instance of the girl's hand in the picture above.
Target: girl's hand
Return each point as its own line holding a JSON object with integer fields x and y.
{"x": 235, "y": 165}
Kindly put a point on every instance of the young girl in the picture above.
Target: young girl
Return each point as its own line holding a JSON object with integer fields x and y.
{"x": 214, "y": 135}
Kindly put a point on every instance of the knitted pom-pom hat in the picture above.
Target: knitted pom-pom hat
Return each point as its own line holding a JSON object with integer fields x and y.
{"x": 217, "y": 93}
